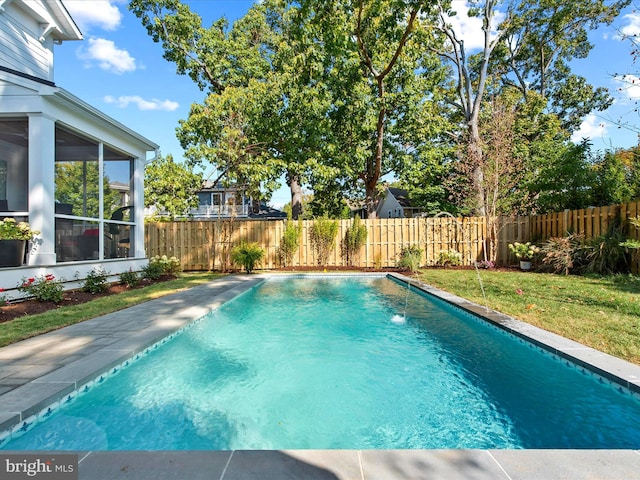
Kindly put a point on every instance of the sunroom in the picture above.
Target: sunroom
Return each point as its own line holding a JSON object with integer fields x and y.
{"x": 70, "y": 171}
{"x": 76, "y": 176}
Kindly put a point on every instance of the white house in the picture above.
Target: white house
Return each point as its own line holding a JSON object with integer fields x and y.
{"x": 59, "y": 156}
{"x": 395, "y": 203}
{"x": 217, "y": 201}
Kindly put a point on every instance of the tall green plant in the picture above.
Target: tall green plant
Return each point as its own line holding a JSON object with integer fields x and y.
{"x": 323, "y": 235}
{"x": 410, "y": 257}
{"x": 290, "y": 241}
{"x": 247, "y": 255}
{"x": 607, "y": 254}
{"x": 354, "y": 238}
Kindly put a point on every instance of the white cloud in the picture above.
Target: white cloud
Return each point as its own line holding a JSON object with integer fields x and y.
{"x": 469, "y": 29}
{"x": 99, "y": 13}
{"x": 590, "y": 128}
{"x": 108, "y": 56}
{"x": 142, "y": 104}
{"x": 629, "y": 86}
{"x": 632, "y": 28}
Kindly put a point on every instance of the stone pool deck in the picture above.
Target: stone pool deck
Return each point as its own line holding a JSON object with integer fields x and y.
{"x": 40, "y": 371}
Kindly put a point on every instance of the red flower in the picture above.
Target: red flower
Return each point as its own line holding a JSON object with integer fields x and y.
{"x": 49, "y": 277}
{"x": 31, "y": 280}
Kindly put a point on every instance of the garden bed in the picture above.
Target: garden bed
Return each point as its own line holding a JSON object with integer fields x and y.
{"x": 71, "y": 297}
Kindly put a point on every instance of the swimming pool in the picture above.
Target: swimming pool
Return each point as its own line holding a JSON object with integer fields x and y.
{"x": 336, "y": 363}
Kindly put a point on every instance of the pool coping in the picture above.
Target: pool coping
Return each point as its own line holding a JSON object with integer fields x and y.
{"x": 53, "y": 365}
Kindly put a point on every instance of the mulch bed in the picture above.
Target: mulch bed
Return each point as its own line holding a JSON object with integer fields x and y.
{"x": 71, "y": 297}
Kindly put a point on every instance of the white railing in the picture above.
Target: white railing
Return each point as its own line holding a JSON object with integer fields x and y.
{"x": 216, "y": 211}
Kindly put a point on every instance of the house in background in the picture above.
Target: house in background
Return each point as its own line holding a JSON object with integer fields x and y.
{"x": 58, "y": 156}
{"x": 216, "y": 201}
{"x": 394, "y": 203}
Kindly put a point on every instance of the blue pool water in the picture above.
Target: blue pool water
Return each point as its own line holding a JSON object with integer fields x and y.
{"x": 337, "y": 363}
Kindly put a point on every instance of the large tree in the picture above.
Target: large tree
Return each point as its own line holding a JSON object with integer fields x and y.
{"x": 214, "y": 57}
{"x": 540, "y": 41}
{"x": 264, "y": 115}
{"x": 381, "y": 77}
{"x": 525, "y": 44}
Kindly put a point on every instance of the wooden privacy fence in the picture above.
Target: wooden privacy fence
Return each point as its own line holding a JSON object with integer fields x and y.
{"x": 205, "y": 245}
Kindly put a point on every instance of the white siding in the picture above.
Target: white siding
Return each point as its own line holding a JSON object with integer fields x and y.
{"x": 21, "y": 49}
{"x": 390, "y": 208}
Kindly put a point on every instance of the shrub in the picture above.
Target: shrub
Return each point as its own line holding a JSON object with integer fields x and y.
{"x": 3, "y": 298}
{"x": 96, "y": 281}
{"x": 290, "y": 241}
{"x": 523, "y": 251}
{"x": 323, "y": 235}
{"x": 562, "y": 254}
{"x": 161, "y": 265}
{"x": 410, "y": 258}
{"x": 44, "y": 288}
{"x": 486, "y": 264}
{"x": 129, "y": 278}
{"x": 354, "y": 238}
{"x": 449, "y": 258}
{"x": 606, "y": 254}
{"x": 247, "y": 255}
{"x": 153, "y": 270}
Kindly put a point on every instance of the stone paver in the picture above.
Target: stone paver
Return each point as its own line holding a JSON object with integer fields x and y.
{"x": 38, "y": 371}
{"x": 431, "y": 464}
{"x": 569, "y": 464}
{"x": 153, "y": 465}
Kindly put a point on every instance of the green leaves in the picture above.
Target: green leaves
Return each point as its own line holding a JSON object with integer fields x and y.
{"x": 171, "y": 187}
{"x": 333, "y": 95}
{"x": 213, "y": 57}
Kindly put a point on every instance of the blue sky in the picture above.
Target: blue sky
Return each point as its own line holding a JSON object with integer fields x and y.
{"x": 118, "y": 69}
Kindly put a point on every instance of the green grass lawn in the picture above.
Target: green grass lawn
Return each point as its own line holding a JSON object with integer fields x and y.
{"x": 32, "y": 325}
{"x": 601, "y": 312}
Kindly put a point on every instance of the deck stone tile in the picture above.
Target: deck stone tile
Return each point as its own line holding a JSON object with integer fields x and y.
{"x": 430, "y": 465}
{"x": 153, "y": 465}
{"x": 569, "y": 464}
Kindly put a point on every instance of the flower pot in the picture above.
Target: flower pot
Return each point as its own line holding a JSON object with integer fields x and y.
{"x": 525, "y": 265}
{"x": 12, "y": 252}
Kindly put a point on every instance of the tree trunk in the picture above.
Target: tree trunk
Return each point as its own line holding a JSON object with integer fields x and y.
{"x": 296, "y": 196}
{"x": 371, "y": 203}
{"x": 374, "y": 166}
{"x": 475, "y": 158}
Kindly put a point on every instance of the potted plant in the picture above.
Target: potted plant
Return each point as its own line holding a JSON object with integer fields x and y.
{"x": 524, "y": 252}
{"x": 13, "y": 241}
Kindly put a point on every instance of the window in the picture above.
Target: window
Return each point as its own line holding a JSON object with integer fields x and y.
{"x": 77, "y": 175}
{"x": 14, "y": 166}
{"x": 94, "y": 199}
{"x": 204, "y": 199}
